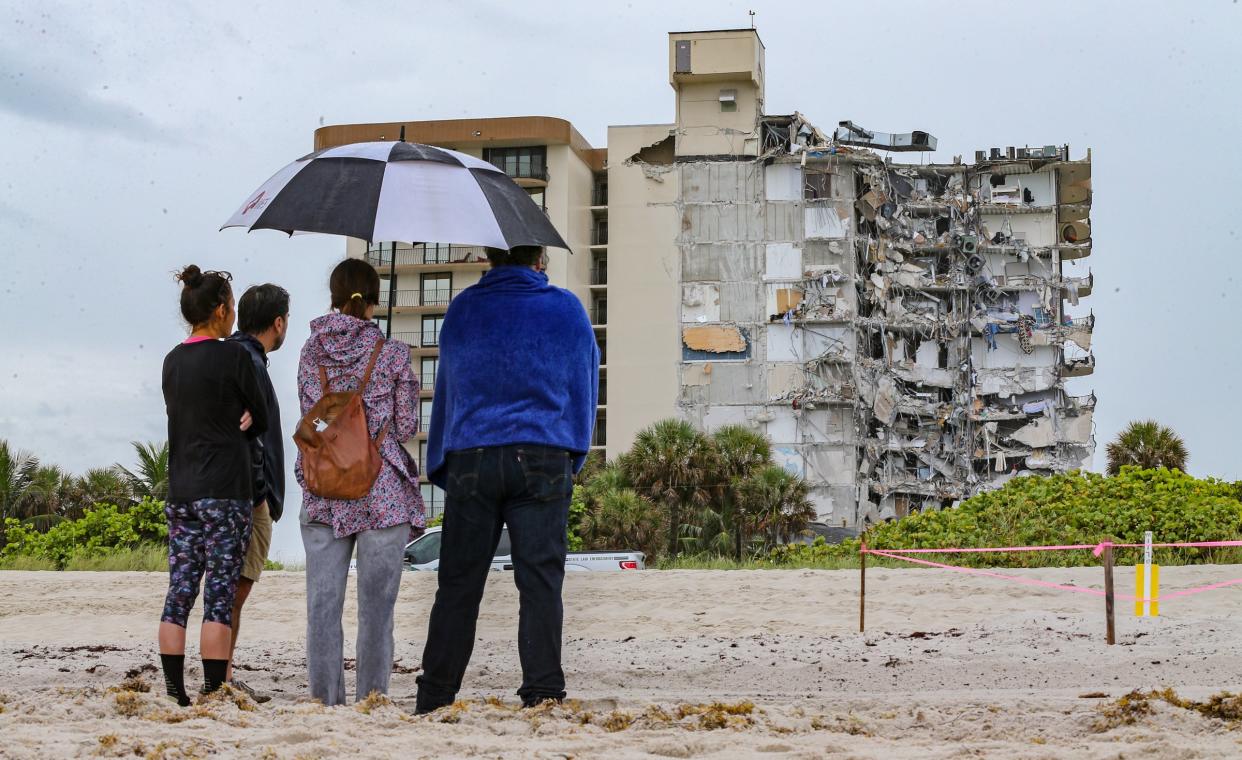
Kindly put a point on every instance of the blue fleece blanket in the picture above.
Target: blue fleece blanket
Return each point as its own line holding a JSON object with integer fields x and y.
{"x": 518, "y": 364}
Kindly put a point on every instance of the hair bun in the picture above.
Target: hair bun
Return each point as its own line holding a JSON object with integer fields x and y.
{"x": 191, "y": 276}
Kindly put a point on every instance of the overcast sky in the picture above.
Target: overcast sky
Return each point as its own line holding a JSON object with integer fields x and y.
{"x": 132, "y": 130}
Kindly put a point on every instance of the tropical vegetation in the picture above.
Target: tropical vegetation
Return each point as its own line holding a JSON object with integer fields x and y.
{"x": 1148, "y": 445}
{"x": 680, "y": 492}
{"x": 108, "y": 517}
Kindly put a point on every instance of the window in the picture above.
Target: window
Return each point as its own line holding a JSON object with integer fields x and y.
{"x": 431, "y": 329}
{"x": 437, "y": 289}
{"x": 422, "y": 455}
{"x": 599, "y": 196}
{"x": 599, "y": 311}
{"x": 528, "y": 163}
{"x": 433, "y": 500}
{"x": 728, "y": 101}
{"x": 427, "y": 372}
{"x": 383, "y": 324}
{"x": 424, "y": 419}
{"x": 816, "y": 185}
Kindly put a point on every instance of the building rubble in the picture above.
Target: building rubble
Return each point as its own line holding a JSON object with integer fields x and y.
{"x": 902, "y": 333}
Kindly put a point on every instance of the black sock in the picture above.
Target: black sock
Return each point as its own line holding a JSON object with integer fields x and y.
{"x": 213, "y": 674}
{"x": 174, "y": 677}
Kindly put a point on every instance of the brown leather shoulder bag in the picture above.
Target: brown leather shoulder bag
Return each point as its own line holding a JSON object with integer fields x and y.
{"x": 339, "y": 458}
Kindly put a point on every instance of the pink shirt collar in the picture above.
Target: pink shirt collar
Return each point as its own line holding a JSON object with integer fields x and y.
{"x": 195, "y": 339}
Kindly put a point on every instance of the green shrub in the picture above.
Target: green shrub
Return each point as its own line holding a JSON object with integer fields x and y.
{"x": 1076, "y": 508}
{"x": 271, "y": 564}
{"x": 100, "y": 531}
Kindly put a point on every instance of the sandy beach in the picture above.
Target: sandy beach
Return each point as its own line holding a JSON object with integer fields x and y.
{"x": 951, "y": 666}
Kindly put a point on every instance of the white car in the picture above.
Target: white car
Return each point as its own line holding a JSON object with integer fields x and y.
{"x": 423, "y": 553}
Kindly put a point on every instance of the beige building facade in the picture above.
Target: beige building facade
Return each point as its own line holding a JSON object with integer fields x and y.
{"x": 906, "y": 334}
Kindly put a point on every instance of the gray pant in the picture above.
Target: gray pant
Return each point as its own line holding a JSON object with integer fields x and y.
{"x": 379, "y": 578}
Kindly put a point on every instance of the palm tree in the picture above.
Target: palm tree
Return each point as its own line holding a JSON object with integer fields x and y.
{"x": 774, "y": 504}
{"x": 43, "y": 493}
{"x": 1148, "y": 445}
{"x": 623, "y": 519}
{"x": 671, "y": 463}
{"x": 151, "y": 480}
{"x": 17, "y": 471}
{"x": 741, "y": 452}
{"x": 102, "y": 485}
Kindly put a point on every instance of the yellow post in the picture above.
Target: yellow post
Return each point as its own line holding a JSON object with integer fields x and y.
{"x": 1147, "y": 583}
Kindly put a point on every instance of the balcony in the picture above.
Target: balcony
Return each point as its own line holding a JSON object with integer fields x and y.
{"x": 380, "y": 255}
{"x": 426, "y": 379}
{"x": 599, "y": 276}
{"x": 425, "y": 339}
{"x": 599, "y": 235}
{"x": 599, "y": 314}
{"x": 1079, "y": 366}
{"x": 599, "y": 438}
{"x": 416, "y": 299}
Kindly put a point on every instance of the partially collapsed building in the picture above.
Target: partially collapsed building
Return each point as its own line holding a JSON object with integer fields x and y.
{"x": 903, "y": 332}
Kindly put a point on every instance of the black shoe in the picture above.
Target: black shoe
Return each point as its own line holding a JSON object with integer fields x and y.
{"x": 423, "y": 708}
{"x": 540, "y": 701}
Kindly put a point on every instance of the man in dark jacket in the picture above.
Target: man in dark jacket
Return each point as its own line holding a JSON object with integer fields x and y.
{"x": 262, "y": 321}
{"x": 511, "y": 423}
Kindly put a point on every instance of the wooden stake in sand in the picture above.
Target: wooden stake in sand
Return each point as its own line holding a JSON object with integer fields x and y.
{"x": 862, "y": 587}
{"x": 1108, "y": 592}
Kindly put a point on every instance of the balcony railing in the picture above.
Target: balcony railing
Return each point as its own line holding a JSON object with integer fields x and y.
{"x": 599, "y": 314}
{"x": 425, "y": 339}
{"x": 427, "y": 380}
{"x": 380, "y": 255}
{"x": 599, "y": 197}
{"x": 599, "y": 235}
{"x": 599, "y": 437}
{"x": 599, "y": 276}
{"x": 413, "y": 298}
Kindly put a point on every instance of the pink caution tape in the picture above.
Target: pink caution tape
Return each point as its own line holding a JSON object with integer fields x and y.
{"x": 965, "y": 550}
{"x": 1096, "y": 549}
{"x": 891, "y": 554}
{"x": 988, "y": 574}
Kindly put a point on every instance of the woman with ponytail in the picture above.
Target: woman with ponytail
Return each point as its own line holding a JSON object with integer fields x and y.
{"x": 214, "y": 405}
{"x": 378, "y": 525}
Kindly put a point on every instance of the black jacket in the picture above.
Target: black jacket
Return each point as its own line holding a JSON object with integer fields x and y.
{"x": 207, "y": 386}
{"x": 268, "y": 450}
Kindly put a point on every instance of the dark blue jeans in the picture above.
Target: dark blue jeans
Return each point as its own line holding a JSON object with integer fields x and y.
{"x": 527, "y": 488}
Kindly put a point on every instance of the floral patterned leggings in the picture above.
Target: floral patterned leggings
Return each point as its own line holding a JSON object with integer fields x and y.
{"x": 208, "y": 536}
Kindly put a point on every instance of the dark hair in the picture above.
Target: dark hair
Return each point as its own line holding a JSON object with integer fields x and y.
{"x": 518, "y": 256}
{"x": 354, "y": 284}
{"x": 202, "y": 292}
{"x": 259, "y": 307}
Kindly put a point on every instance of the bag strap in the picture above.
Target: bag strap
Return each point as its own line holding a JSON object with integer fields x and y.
{"x": 366, "y": 377}
{"x": 323, "y": 379}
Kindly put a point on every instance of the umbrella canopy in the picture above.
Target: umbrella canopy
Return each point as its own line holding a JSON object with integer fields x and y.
{"x": 398, "y": 191}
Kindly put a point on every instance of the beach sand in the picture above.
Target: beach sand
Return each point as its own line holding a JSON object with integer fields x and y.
{"x": 950, "y": 666}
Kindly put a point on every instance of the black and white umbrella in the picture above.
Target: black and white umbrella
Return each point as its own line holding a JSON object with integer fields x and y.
{"x": 398, "y": 191}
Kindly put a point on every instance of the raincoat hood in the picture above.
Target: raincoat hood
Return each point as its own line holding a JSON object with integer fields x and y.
{"x": 342, "y": 340}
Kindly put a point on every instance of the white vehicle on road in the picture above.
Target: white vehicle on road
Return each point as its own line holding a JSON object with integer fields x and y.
{"x": 423, "y": 553}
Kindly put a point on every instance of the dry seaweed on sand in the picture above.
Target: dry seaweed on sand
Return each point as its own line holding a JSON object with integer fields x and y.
{"x": 1137, "y": 705}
